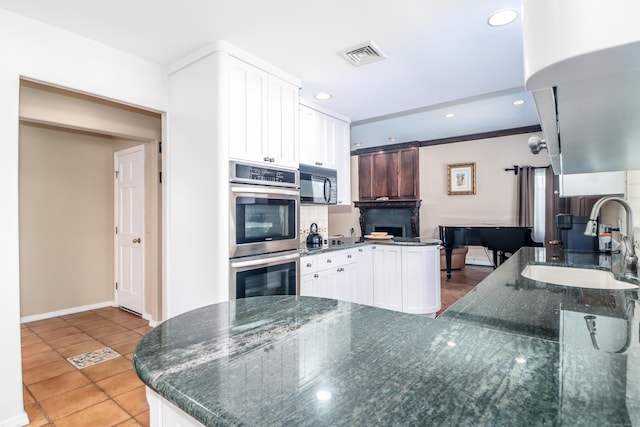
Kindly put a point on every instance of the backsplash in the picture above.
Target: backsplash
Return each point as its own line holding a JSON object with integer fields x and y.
{"x": 314, "y": 213}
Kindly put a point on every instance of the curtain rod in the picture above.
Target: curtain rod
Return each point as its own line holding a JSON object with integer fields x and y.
{"x": 516, "y": 168}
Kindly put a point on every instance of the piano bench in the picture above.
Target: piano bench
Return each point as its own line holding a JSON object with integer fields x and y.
{"x": 458, "y": 258}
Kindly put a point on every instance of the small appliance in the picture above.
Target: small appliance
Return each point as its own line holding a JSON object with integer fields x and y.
{"x": 572, "y": 234}
{"x": 314, "y": 239}
{"x": 318, "y": 186}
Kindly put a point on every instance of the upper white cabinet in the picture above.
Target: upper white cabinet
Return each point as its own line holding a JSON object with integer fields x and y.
{"x": 325, "y": 142}
{"x": 263, "y": 116}
{"x": 582, "y": 66}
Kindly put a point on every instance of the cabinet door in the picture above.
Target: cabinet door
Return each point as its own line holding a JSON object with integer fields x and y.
{"x": 385, "y": 176}
{"x": 308, "y": 285}
{"x": 247, "y": 97}
{"x": 408, "y": 173}
{"x": 282, "y": 122}
{"x": 365, "y": 176}
{"x": 364, "y": 276}
{"x": 387, "y": 277}
{"x": 309, "y": 143}
{"x": 420, "y": 279}
{"x": 342, "y": 141}
{"x": 327, "y": 283}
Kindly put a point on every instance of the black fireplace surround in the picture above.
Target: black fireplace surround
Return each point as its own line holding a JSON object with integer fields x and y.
{"x": 400, "y": 218}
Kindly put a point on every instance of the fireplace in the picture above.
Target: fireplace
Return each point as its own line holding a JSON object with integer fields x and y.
{"x": 400, "y": 218}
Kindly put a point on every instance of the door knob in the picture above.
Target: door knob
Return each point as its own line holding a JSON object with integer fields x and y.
{"x": 138, "y": 240}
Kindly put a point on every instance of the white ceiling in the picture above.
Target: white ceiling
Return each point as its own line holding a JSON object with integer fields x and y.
{"x": 442, "y": 55}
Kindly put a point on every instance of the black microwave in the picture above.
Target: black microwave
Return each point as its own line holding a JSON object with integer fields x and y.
{"x": 318, "y": 186}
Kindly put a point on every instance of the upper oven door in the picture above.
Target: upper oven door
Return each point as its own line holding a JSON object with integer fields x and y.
{"x": 262, "y": 219}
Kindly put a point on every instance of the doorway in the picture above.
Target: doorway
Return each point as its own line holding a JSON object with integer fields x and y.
{"x": 68, "y": 142}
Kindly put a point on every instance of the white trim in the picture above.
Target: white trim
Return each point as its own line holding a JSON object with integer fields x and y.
{"x": 17, "y": 421}
{"x": 152, "y": 323}
{"x": 66, "y": 311}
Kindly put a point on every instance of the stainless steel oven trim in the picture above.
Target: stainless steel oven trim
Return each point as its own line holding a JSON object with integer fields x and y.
{"x": 248, "y": 249}
{"x": 260, "y": 261}
{"x": 234, "y": 179}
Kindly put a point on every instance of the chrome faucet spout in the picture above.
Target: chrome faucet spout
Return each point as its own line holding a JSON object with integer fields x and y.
{"x": 631, "y": 260}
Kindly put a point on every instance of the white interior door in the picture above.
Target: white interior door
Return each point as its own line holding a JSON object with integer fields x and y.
{"x": 129, "y": 219}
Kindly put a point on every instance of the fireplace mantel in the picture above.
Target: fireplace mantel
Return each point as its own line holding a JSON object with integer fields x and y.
{"x": 410, "y": 204}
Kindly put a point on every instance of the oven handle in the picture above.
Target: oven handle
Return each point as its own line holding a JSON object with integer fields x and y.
{"x": 262, "y": 261}
{"x": 265, "y": 190}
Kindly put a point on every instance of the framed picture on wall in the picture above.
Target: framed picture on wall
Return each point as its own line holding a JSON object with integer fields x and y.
{"x": 461, "y": 179}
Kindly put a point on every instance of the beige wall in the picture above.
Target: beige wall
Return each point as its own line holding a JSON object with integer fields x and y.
{"x": 66, "y": 211}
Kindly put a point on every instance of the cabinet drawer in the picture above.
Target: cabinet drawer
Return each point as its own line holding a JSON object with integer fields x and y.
{"x": 308, "y": 264}
{"x": 327, "y": 260}
{"x": 347, "y": 256}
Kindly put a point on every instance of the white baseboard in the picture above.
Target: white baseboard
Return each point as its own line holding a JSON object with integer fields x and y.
{"x": 17, "y": 421}
{"x": 64, "y": 312}
{"x": 152, "y": 323}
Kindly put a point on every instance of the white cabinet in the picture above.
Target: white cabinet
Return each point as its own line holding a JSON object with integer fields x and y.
{"x": 420, "y": 279}
{"x": 325, "y": 142}
{"x": 593, "y": 184}
{"x": 364, "y": 276}
{"x": 263, "y": 116}
{"x": 394, "y": 277}
{"x": 387, "y": 277}
{"x": 163, "y": 413}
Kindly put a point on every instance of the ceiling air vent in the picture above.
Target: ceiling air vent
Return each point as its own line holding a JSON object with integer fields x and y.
{"x": 363, "y": 54}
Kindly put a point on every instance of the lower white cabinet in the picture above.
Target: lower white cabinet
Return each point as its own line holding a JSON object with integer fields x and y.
{"x": 394, "y": 277}
{"x": 387, "y": 277}
{"x": 163, "y": 413}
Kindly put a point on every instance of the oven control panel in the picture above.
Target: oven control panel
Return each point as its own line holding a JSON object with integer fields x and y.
{"x": 255, "y": 174}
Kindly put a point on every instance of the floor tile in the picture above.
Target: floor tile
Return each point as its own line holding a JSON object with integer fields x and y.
{"x": 80, "y": 348}
{"x": 81, "y": 318}
{"x": 58, "y": 333}
{"x": 144, "y": 330}
{"x": 44, "y": 372}
{"x": 32, "y": 349}
{"x": 120, "y": 383}
{"x": 137, "y": 322}
{"x": 73, "y": 401}
{"x": 30, "y": 339}
{"x": 69, "y": 340}
{"x": 120, "y": 337}
{"x": 58, "y": 385}
{"x": 36, "y": 417}
{"x": 110, "y": 329}
{"x": 127, "y": 346}
{"x": 47, "y": 325}
{"x": 131, "y": 422}
{"x": 40, "y": 359}
{"x": 134, "y": 401}
{"x": 143, "y": 419}
{"x": 27, "y": 399}
{"x": 100, "y": 323}
{"x": 107, "y": 369}
{"x": 104, "y": 414}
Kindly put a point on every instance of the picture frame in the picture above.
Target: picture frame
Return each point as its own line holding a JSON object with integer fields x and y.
{"x": 461, "y": 179}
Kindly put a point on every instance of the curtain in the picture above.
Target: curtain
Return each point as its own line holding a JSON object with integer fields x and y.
{"x": 525, "y": 196}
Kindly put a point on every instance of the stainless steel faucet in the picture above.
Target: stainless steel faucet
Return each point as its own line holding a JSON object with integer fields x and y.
{"x": 630, "y": 259}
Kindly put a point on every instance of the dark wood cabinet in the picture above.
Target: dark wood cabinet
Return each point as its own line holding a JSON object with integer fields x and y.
{"x": 393, "y": 174}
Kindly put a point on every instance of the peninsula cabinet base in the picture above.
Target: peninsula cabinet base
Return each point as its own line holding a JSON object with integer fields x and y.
{"x": 163, "y": 413}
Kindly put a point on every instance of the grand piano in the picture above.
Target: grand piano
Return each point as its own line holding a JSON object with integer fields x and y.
{"x": 500, "y": 240}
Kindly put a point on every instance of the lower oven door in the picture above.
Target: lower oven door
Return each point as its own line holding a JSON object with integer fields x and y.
{"x": 268, "y": 274}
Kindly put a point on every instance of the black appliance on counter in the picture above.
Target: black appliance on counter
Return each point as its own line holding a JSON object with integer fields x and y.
{"x": 572, "y": 234}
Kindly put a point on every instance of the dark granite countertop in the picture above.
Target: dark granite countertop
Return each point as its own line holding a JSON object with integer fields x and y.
{"x": 350, "y": 242}
{"x": 512, "y": 352}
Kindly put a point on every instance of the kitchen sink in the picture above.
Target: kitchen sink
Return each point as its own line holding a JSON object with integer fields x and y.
{"x": 576, "y": 277}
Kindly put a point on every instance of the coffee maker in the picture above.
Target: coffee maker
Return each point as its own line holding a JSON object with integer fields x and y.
{"x": 572, "y": 236}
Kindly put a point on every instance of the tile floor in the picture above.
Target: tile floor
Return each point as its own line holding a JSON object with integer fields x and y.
{"x": 110, "y": 394}
{"x": 106, "y": 394}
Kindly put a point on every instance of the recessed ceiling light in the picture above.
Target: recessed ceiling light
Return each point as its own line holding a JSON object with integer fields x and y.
{"x": 392, "y": 138}
{"x": 502, "y": 17}
{"x": 449, "y": 115}
{"x": 323, "y": 96}
{"x": 518, "y": 102}
{"x": 357, "y": 144}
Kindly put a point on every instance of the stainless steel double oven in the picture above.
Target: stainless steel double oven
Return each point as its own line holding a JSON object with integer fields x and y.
{"x": 264, "y": 239}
